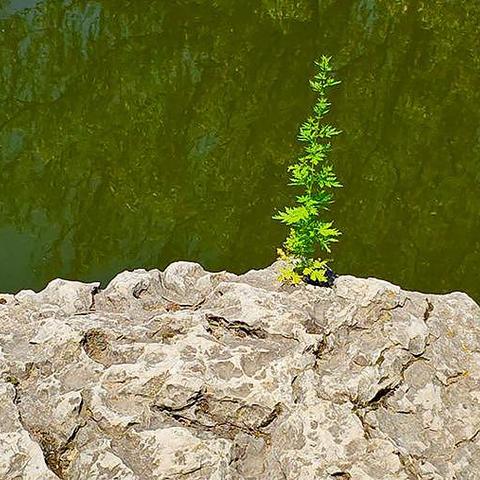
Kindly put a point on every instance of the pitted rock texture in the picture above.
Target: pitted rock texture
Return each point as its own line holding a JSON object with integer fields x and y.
{"x": 185, "y": 374}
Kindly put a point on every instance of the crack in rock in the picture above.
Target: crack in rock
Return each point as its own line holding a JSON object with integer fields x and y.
{"x": 240, "y": 329}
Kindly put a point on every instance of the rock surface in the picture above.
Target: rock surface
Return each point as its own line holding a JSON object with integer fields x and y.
{"x": 185, "y": 374}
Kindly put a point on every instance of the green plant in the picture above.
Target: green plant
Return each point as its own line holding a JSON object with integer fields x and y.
{"x": 313, "y": 173}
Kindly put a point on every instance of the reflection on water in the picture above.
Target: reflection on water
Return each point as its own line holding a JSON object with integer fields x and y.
{"x": 136, "y": 133}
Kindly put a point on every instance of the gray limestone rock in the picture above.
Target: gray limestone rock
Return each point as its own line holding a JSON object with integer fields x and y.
{"x": 197, "y": 375}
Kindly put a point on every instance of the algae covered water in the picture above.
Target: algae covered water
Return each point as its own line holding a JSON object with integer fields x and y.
{"x": 136, "y": 133}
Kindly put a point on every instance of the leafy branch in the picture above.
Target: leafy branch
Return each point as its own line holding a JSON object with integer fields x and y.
{"x": 314, "y": 174}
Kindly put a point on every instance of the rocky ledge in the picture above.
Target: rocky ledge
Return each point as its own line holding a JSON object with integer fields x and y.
{"x": 185, "y": 374}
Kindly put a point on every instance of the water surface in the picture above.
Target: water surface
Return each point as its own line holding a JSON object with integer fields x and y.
{"x": 135, "y": 133}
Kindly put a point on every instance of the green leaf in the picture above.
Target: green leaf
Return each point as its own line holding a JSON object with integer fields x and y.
{"x": 301, "y": 174}
{"x": 328, "y": 131}
{"x": 326, "y": 178}
{"x": 289, "y": 276}
{"x": 325, "y": 229}
{"x": 308, "y": 131}
{"x": 293, "y": 215}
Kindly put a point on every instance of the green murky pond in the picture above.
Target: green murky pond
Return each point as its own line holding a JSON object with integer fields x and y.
{"x": 135, "y": 133}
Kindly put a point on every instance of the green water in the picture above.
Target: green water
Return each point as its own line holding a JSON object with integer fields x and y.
{"x": 135, "y": 133}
